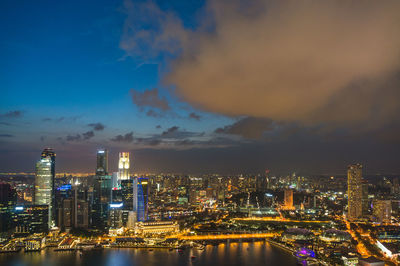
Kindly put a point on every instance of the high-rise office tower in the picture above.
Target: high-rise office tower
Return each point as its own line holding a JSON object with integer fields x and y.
{"x": 8, "y": 200}
{"x": 44, "y": 183}
{"x": 49, "y": 153}
{"x": 382, "y": 211}
{"x": 365, "y": 200}
{"x": 127, "y": 194}
{"x": 123, "y": 166}
{"x": 354, "y": 191}
{"x": 142, "y": 198}
{"x": 288, "y": 199}
{"x": 101, "y": 192}
{"x": 31, "y": 219}
{"x": 102, "y": 162}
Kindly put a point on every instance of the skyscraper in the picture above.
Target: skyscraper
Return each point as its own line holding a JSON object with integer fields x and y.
{"x": 123, "y": 166}
{"x": 365, "y": 200}
{"x": 354, "y": 191}
{"x": 101, "y": 192}
{"x": 49, "y": 153}
{"x": 142, "y": 198}
{"x": 288, "y": 199}
{"x": 8, "y": 200}
{"x": 44, "y": 183}
{"x": 382, "y": 211}
{"x": 102, "y": 162}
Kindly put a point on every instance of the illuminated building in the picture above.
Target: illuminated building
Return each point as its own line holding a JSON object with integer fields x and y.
{"x": 102, "y": 162}
{"x": 142, "y": 198}
{"x": 156, "y": 227}
{"x": 354, "y": 191}
{"x": 293, "y": 234}
{"x": 75, "y": 209}
{"x": 115, "y": 216}
{"x": 127, "y": 194}
{"x": 101, "y": 199}
{"x": 34, "y": 244}
{"x": 8, "y": 199}
{"x": 31, "y": 219}
{"x": 288, "y": 199}
{"x": 123, "y": 166}
{"x": 50, "y": 154}
{"x": 102, "y": 194}
{"x": 333, "y": 235}
{"x": 44, "y": 185}
{"x": 131, "y": 220}
{"x": 382, "y": 211}
{"x": 365, "y": 201}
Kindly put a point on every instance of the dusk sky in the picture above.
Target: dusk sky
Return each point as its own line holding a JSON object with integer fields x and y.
{"x": 195, "y": 86}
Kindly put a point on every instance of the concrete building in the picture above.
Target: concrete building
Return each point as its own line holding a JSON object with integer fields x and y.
{"x": 382, "y": 211}
{"x": 354, "y": 191}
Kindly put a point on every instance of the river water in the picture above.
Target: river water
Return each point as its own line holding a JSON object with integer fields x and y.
{"x": 254, "y": 254}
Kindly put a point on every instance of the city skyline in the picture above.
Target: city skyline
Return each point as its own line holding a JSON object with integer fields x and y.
{"x": 95, "y": 82}
{"x": 200, "y": 132}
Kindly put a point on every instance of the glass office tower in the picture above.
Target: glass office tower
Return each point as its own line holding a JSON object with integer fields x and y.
{"x": 142, "y": 198}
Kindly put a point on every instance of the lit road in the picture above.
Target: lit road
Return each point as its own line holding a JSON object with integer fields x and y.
{"x": 227, "y": 236}
{"x": 278, "y": 219}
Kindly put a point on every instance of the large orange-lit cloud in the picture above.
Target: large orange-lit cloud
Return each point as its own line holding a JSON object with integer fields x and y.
{"x": 308, "y": 61}
{"x": 304, "y": 61}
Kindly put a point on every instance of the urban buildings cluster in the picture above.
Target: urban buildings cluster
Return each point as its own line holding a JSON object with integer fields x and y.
{"x": 323, "y": 218}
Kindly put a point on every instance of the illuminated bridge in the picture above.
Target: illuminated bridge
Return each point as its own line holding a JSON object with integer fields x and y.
{"x": 228, "y": 236}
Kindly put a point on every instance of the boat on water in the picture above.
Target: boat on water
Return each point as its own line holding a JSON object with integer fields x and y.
{"x": 193, "y": 257}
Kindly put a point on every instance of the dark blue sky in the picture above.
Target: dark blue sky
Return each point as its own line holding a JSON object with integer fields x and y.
{"x": 187, "y": 87}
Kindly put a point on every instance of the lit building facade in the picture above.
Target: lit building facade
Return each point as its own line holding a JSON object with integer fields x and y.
{"x": 31, "y": 219}
{"x": 102, "y": 162}
{"x": 152, "y": 228}
{"x": 48, "y": 153}
{"x": 382, "y": 211}
{"x": 8, "y": 200}
{"x": 142, "y": 198}
{"x": 123, "y": 166}
{"x": 44, "y": 183}
{"x": 288, "y": 199}
{"x": 354, "y": 191}
{"x": 365, "y": 200}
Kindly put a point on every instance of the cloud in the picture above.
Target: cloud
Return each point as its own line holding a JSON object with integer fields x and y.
{"x": 248, "y": 127}
{"x": 5, "y": 124}
{"x": 138, "y": 41}
{"x": 170, "y": 131}
{"x": 128, "y": 137}
{"x": 310, "y": 62}
{"x": 88, "y": 135}
{"x": 6, "y": 136}
{"x": 97, "y": 126}
{"x": 12, "y": 114}
{"x": 153, "y": 113}
{"x": 76, "y": 137}
{"x": 61, "y": 119}
{"x": 158, "y": 126}
{"x": 194, "y": 116}
{"x": 150, "y": 98}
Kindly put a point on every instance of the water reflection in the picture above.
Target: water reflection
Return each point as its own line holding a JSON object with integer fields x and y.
{"x": 228, "y": 253}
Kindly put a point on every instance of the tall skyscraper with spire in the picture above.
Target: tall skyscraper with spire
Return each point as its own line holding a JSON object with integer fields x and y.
{"x": 354, "y": 191}
{"x": 45, "y": 183}
{"x": 123, "y": 166}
